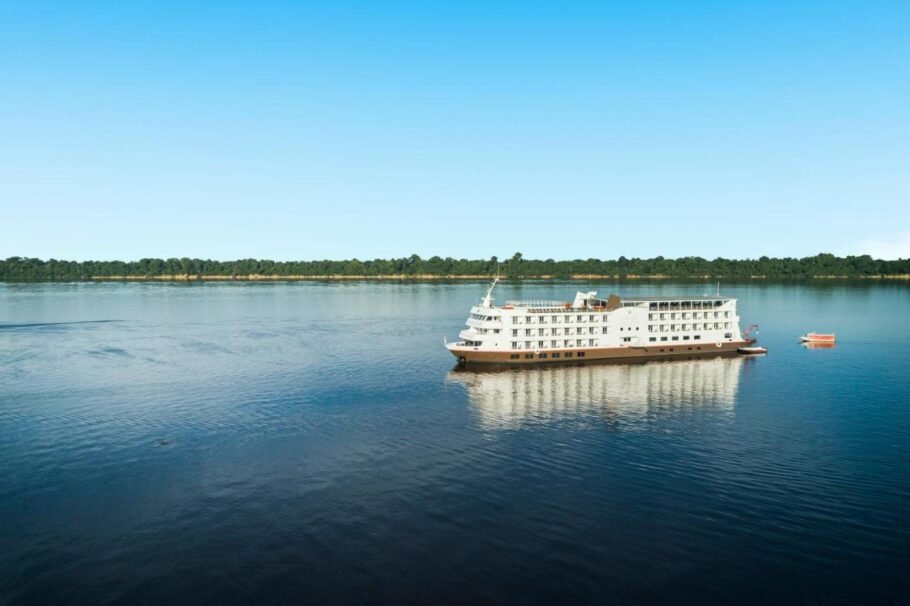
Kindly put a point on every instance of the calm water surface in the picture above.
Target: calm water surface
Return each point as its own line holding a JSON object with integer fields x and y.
{"x": 312, "y": 443}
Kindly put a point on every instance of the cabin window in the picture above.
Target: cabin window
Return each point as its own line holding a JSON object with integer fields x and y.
{"x": 652, "y": 339}
{"x": 728, "y": 335}
{"x": 663, "y": 338}
{"x": 581, "y": 354}
{"x": 685, "y": 337}
{"x": 556, "y": 355}
{"x": 513, "y": 357}
{"x": 529, "y": 356}
{"x": 697, "y": 337}
{"x": 568, "y": 354}
{"x": 543, "y": 355}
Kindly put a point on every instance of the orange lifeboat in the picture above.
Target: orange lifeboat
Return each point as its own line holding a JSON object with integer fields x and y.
{"x": 816, "y": 337}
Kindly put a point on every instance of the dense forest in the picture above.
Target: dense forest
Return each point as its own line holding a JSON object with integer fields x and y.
{"x": 517, "y": 267}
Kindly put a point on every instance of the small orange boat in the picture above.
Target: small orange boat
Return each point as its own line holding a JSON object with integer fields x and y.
{"x": 816, "y": 337}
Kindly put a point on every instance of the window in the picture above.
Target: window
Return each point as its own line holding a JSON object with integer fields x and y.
{"x": 556, "y": 355}
{"x": 697, "y": 337}
{"x": 567, "y": 343}
{"x": 726, "y": 325}
{"x": 514, "y": 344}
{"x": 591, "y": 342}
{"x": 604, "y": 330}
{"x": 651, "y": 316}
{"x": 529, "y": 356}
{"x": 513, "y": 357}
{"x": 540, "y": 332}
{"x": 625, "y": 339}
{"x": 663, "y": 338}
{"x": 674, "y": 327}
{"x": 553, "y": 343}
{"x": 555, "y": 319}
{"x": 581, "y": 354}
{"x": 514, "y": 332}
{"x": 663, "y": 316}
{"x": 578, "y": 342}
{"x": 675, "y": 338}
{"x": 728, "y": 335}
{"x": 543, "y": 355}
{"x": 516, "y": 320}
{"x": 568, "y": 354}
{"x": 591, "y": 318}
{"x": 685, "y": 337}
{"x": 652, "y": 338}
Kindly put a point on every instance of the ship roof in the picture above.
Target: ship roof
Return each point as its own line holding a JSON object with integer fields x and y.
{"x": 676, "y": 298}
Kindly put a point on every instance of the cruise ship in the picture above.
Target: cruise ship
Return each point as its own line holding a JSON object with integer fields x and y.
{"x": 596, "y": 328}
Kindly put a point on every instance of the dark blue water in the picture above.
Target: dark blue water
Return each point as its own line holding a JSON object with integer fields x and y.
{"x": 311, "y": 443}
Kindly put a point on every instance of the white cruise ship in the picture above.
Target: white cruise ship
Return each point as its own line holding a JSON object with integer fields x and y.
{"x": 594, "y": 328}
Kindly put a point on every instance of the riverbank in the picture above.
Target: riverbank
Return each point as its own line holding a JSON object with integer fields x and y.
{"x": 459, "y": 277}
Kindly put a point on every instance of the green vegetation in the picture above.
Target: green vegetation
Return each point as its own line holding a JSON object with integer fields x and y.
{"x": 822, "y": 265}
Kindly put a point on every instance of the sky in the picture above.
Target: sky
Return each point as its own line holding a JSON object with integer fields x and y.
{"x": 297, "y": 130}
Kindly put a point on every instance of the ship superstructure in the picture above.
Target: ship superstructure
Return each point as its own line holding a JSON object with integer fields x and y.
{"x": 593, "y": 328}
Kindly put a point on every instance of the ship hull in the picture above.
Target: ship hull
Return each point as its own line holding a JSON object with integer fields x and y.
{"x": 470, "y": 355}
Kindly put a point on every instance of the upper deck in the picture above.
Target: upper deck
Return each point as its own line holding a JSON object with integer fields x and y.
{"x": 590, "y": 301}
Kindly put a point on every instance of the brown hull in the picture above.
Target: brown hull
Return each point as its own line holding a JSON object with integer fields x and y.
{"x": 468, "y": 355}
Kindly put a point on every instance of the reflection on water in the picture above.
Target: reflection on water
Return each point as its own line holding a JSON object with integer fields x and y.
{"x": 818, "y": 345}
{"x": 510, "y": 399}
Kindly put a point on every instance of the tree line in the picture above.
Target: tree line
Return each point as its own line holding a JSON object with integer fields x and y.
{"x": 516, "y": 267}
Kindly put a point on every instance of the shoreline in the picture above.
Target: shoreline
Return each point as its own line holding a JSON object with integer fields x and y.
{"x": 459, "y": 277}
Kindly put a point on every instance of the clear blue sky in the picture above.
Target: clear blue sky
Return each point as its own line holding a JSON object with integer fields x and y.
{"x": 293, "y": 130}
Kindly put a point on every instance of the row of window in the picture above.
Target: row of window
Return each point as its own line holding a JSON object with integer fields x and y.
{"x": 544, "y": 332}
{"x": 554, "y": 343}
{"x": 554, "y": 355}
{"x": 675, "y": 305}
{"x": 685, "y": 315}
{"x": 556, "y": 319}
{"x": 728, "y": 335}
{"x": 685, "y": 327}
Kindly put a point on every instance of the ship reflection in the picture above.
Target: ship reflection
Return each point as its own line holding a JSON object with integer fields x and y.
{"x": 511, "y": 399}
